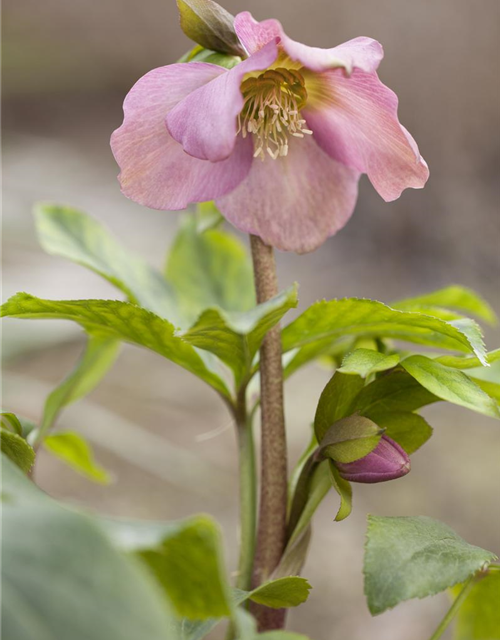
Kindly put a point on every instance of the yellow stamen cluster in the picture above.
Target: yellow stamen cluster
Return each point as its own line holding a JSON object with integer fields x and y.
{"x": 271, "y": 111}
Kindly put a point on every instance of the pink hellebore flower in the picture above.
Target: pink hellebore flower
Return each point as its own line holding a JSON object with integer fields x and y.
{"x": 279, "y": 141}
{"x": 387, "y": 461}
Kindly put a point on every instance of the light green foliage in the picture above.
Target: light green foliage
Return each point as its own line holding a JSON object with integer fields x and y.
{"x": 62, "y": 578}
{"x": 210, "y": 25}
{"x": 11, "y": 422}
{"x": 350, "y": 439}
{"x": 408, "y": 429}
{"x": 336, "y": 401}
{"x": 479, "y": 615}
{"x": 214, "y": 57}
{"x": 120, "y": 320}
{"x": 209, "y": 267}
{"x": 364, "y": 362}
{"x": 344, "y": 489}
{"x": 468, "y": 362}
{"x": 491, "y": 388}
{"x": 72, "y": 234}
{"x": 280, "y": 635}
{"x": 188, "y": 561}
{"x": 236, "y": 337}
{"x": 323, "y": 323}
{"x": 99, "y": 355}
{"x": 283, "y": 592}
{"x": 450, "y": 384}
{"x": 75, "y": 451}
{"x": 453, "y": 297}
{"x": 15, "y": 447}
{"x": 414, "y": 557}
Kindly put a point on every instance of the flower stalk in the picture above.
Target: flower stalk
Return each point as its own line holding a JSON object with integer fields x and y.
{"x": 271, "y": 532}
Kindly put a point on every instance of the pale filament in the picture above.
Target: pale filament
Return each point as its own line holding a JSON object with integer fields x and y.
{"x": 271, "y": 111}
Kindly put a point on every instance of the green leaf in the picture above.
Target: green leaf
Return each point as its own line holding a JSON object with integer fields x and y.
{"x": 450, "y": 385}
{"x": 408, "y": 429}
{"x": 364, "y": 362}
{"x": 350, "y": 439}
{"x": 479, "y": 616}
{"x": 336, "y": 401}
{"x": 99, "y": 355}
{"x": 491, "y": 388}
{"x": 71, "y": 234}
{"x": 468, "y": 362}
{"x": 209, "y": 268}
{"x": 72, "y": 449}
{"x": 280, "y": 635}
{"x": 120, "y": 320}
{"x": 11, "y": 422}
{"x": 99, "y": 591}
{"x": 210, "y": 25}
{"x": 396, "y": 391}
{"x": 344, "y": 489}
{"x": 415, "y": 557}
{"x": 188, "y": 564}
{"x": 17, "y": 449}
{"x": 215, "y": 57}
{"x": 281, "y": 593}
{"x": 208, "y": 217}
{"x": 235, "y": 338}
{"x": 453, "y": 297}
{"x": 314, "y": 332}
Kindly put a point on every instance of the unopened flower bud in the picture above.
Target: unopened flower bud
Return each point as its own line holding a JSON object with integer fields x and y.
{"x": 387, "y": 461}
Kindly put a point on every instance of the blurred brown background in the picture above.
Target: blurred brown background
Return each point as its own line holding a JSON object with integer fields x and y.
{"x": 67, "y": 67}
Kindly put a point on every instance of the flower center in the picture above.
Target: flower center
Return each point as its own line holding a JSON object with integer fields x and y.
{"x": 271, "y": 111}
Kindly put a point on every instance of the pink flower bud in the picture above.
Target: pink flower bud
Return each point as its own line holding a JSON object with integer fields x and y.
{"x": 387, "y": 461}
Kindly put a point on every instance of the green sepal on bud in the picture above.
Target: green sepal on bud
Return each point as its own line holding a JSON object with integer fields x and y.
{"x": 200, "y": 54}
{"x": 350, "y": 439}
{"x": 209, "y": 25}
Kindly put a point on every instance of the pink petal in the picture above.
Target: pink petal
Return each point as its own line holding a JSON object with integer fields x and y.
{"x": 205, "y": 121}
{"x": 295, "y": 202}
{"x": 363, "y": 53}
{"x": 355, "y": 121}
{"x": 155, "y": 170}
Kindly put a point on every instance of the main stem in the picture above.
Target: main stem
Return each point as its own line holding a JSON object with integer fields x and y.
{"x": 271, "y": 532}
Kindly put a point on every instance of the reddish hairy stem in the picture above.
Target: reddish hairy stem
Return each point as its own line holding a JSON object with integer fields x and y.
{"x": 271, "y": 532}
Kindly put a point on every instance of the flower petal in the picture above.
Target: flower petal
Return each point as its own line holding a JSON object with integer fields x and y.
{"x": 205, "y": 121}
{"x": 363, "y": 53}
{"x": 294, "y": 202}
{"x": 155, "y": 170}
{"x": 355, "y": 121}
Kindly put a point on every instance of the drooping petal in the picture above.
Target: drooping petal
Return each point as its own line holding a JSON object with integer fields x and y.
{"x": 294, "y": 202}
{"x": 355, "y": 121}
{"x": 363, "y": 53}
{"x": 155, "y": 170}
{"x": 205, "y": 122}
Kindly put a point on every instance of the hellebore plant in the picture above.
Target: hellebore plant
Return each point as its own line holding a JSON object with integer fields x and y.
{"x": 278, "y": 134}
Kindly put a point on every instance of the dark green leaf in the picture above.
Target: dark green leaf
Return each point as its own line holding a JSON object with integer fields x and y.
{"x": 479, "y": 615}
{"x": 11, "y": 422}
{"x": 325, "y": 322}
{"x": 209, "y": 268}
{"x": 364, "y": 362}
{"x": 408, "y": 429}
{"x": 17, "y": 449}
{"x": 120, "y": 320}
{"x": 62, "y": 578}
{"x": 450, "y": 385}
{"x": 350, "y": 439}
{"x": 453, "y": 297}
{"x": 210, "y": 25}
{"x": 415, "y": 557}
{"x": 72, "y": 449}
{"x": 396, "y": 391}
{"x": 344, "y": 489}
{"x": 71, "y": 234}
{"x": 235, "y": 338}
{"x": 336, "y": 401}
